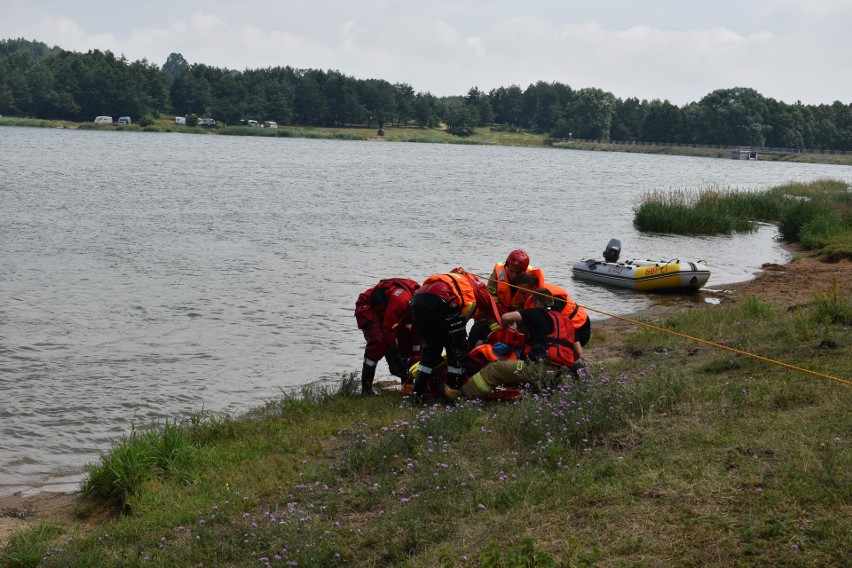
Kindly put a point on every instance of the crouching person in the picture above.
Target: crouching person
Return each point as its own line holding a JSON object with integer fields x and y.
{"x": 382, "y": 315}
{"x": 550, "y": 345}
{"x": 441, "y": 309}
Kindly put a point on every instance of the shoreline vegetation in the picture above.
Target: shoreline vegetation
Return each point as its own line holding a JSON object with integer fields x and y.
{"x": 479, "y": 136}
{"x": 816, "y": 215}
{"x": 668, "y": 452}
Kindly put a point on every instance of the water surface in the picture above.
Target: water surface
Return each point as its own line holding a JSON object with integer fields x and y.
{"x": 149, "y": 275}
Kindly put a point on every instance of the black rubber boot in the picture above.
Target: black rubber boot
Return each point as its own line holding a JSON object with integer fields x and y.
{"x": 454, "y": 381}
{"x": 419, "y": 387}
{"x": 368, "y": 373}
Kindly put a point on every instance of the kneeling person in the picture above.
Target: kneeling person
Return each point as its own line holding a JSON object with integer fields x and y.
{"x": 550, "y": 343}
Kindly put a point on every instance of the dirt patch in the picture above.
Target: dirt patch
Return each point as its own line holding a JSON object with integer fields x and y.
{"x": 18, "y": 511}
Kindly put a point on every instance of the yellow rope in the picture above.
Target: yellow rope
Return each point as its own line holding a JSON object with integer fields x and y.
{"x": 712, "y": 344}
{"x": 720, "y": 346}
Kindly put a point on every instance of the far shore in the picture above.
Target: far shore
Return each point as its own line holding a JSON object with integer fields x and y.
{"x": 487, "y": 136}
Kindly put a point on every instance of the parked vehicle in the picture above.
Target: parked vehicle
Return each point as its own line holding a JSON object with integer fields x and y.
{"x": 103, "y": 120}
{"x": 270, "y": 124}
{"x": 124, "y": 121}
{"x": 252, "y": 123}
{"x": 207, "y": 122}
{"x": 180, "y": 120}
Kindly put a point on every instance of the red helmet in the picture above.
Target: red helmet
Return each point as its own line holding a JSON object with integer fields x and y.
{"x": 519, "y": 260}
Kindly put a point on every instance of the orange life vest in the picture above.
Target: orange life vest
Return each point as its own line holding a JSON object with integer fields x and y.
{"x": 484, "y": 354}
{"x": 563, "y": 303}
{"x": 508, "y": 295}
{"x": 559, "y": 344}
{"x": 462, "y": 289}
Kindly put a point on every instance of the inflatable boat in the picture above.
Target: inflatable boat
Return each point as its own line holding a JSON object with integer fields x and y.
{"x": 645, "y": 275}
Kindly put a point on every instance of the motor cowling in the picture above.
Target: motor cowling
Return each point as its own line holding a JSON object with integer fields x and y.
{"x": 612, "y": 250}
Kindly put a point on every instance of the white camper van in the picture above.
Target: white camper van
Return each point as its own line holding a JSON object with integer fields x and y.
{"x": 103, "y": 120}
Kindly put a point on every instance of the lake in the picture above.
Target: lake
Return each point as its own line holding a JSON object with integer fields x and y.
{"x": 147, "y": 276}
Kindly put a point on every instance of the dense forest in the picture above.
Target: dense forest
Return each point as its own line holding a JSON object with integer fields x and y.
{"x": 50, "y": 83}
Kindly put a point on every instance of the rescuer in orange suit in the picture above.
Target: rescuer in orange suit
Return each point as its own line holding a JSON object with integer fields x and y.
{"x": 502, "y": 284}
{"x": 441, "y": 308}
{"x": 383, "y": 316}
{"x": 563, "y": 303}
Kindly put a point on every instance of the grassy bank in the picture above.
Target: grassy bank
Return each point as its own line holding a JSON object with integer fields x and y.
{"x": 481, "y": 136}
{"x": 674, "y": 454}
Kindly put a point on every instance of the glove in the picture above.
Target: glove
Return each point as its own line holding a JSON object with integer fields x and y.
{"x": 501, "y": 348}
{"x": 579, "y": 365}
{"x": 396, "y": 363}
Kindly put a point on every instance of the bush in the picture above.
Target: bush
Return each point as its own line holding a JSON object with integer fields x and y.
{"x": 833, "y": 307}
{"x": 820, "y": 230}
{"x": 562, "y": 130}
{"x": 794, "y": 218}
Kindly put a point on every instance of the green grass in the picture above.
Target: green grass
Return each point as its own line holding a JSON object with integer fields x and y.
{"x": 167, "y": 451}
{"x": 832, "y": 307}
{"x": 679, "y": 454}
{"x": 35, "y": 122}
{"x": 818, "y": 215}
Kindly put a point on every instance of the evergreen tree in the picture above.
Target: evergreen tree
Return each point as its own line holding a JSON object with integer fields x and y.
{"x": 175, "y": 65}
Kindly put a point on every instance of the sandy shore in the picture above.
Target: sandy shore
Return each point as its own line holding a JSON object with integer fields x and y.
{"x": 784, "y": 286}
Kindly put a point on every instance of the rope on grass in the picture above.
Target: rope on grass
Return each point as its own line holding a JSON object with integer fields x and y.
{"x": 720, "y": 346}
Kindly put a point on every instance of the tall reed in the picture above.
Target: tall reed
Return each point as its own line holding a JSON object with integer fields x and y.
{"x": 817, "y": 214}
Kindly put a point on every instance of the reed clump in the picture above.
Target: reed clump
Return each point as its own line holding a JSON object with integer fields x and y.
{"x": 818, "y": 215}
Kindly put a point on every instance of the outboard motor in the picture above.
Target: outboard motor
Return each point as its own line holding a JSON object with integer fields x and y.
{"x": 612, "y": 250}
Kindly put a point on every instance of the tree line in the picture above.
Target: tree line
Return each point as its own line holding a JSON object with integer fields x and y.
{"x": 51, "y": 83}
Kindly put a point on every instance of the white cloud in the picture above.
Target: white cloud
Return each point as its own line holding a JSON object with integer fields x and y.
{"x": 785, "y": 49}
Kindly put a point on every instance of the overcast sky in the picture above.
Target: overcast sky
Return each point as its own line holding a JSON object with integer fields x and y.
{"x": 679, "y": 50}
